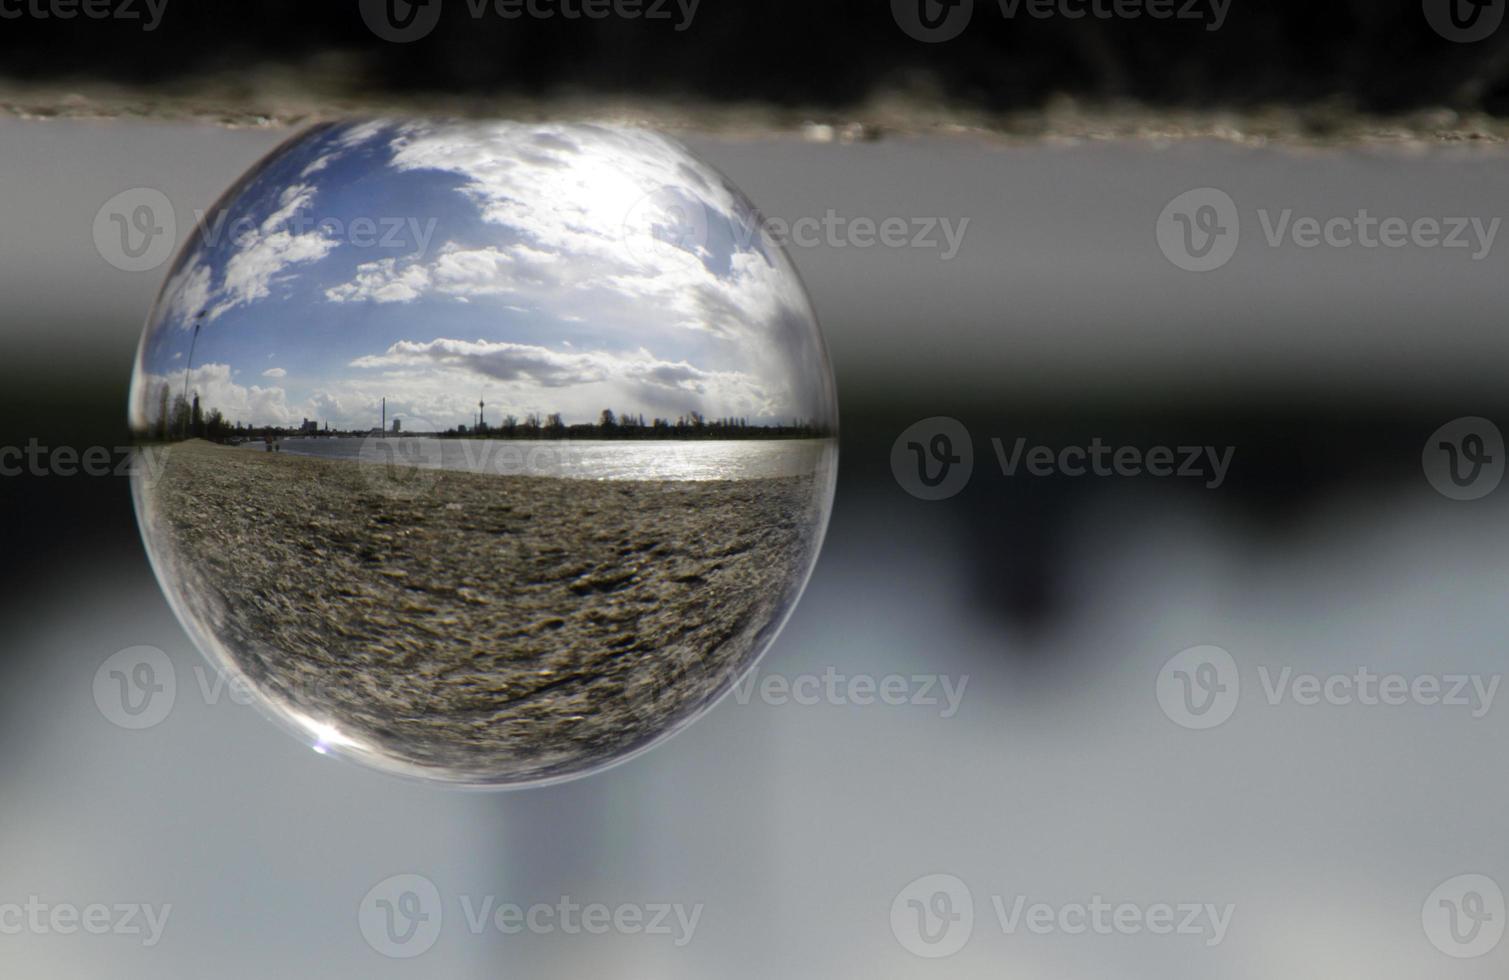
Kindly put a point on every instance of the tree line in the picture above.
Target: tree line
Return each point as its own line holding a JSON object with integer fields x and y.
{"x": 179, "y": 417}
{"x": 182, "y": 418}
{"x": 630, "y": 425}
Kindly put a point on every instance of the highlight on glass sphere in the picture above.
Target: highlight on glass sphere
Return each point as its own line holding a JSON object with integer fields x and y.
{"x": 488, "y": 454}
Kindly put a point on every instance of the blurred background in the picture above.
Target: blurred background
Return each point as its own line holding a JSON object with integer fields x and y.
{"x": 1050, "y": 743}
{"x": 1388, "y": 56}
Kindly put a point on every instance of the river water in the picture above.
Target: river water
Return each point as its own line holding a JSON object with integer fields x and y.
{"x": 582, "y": 459}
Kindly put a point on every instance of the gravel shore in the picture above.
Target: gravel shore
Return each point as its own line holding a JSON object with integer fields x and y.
{"x": 472, "y": 627}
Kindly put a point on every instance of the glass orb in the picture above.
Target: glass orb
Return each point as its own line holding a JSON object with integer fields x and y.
{"x": 487, "y": 454}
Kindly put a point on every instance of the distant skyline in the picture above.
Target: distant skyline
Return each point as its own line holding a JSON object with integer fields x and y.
{"x": 539, "y": 268}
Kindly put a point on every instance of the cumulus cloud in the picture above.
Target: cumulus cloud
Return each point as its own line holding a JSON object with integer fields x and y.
{"x": 666, "y": 296}
{"x": 214, "y": 385}
{"x": 261, "y": 255}
{"x": 457, "y": 272}
{"x": 637, "y": 375}
{"x": 612, "y": 227}
{"x": 618, "y": 212}
{"x": 187, "y": 292}
{"x": 349, "y": 405}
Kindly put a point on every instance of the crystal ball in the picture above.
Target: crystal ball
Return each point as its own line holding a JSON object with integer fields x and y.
{"x": 483, "y": 453}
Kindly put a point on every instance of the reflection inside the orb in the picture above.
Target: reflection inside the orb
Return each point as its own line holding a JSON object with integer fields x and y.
{"x": 494, "y": 453}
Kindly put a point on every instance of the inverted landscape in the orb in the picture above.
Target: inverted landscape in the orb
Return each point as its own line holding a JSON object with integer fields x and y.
{"x": 485, "y": 453}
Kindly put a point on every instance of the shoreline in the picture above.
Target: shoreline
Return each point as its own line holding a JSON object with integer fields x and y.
{"x": 703, "y": 460}
{"x": 480, "y": 627}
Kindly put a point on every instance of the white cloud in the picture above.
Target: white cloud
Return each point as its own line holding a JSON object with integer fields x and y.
{"x": 567, "y": 211}
{"x": 216, "y": 390}
{"x": 188, "y": 292}
{"x": 259, "y": 256}
{"x": 262, "y": 255}
{"x": 576, "y": 205}
{"x": 577, "y": 383}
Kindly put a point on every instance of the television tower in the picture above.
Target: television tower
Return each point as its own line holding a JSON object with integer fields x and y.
{"x": 481, "y": 417}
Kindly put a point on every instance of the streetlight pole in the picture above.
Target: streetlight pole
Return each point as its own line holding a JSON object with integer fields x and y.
{"x": 188, "y": 366}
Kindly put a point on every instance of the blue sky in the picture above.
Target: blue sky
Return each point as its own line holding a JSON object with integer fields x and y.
{"x": 539, "y": 267}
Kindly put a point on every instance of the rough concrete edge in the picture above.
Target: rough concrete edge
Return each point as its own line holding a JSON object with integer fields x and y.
{"x": 1062, "y": 122}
